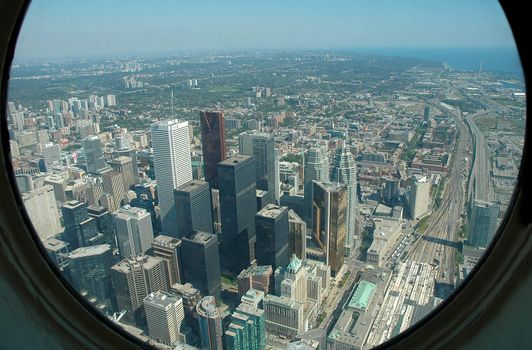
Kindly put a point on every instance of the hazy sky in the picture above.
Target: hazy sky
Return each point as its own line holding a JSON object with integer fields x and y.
{"x": 55, "y": 28}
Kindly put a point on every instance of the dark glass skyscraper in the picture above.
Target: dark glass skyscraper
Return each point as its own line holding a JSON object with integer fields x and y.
{"x": 329, "y": 216}
{"x": 104, "y": 222}
{"x": 90, "y": 269}
{"x": 271, "y": 227}
{"x": 483, "y": 223}
{"x": 213, "y": 143}
{"x": 210, "y": 324}
{"x": 94, "y": 158}
{"x": 201, "y": 262}
{"x": 194, "y": 207}
{"x": 80, "y": 229}
{"x": 236, "y": 177}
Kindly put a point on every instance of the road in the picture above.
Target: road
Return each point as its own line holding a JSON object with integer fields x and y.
{"x": 333, "y": 304}
{"x": 438, "y": 244}
{"x": 480, "y": 185}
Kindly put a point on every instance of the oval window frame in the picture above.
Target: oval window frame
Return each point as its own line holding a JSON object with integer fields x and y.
{"x": 25, "y": 266}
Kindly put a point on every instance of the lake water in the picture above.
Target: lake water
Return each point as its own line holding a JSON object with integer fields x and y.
{"x": 502, "y": 59}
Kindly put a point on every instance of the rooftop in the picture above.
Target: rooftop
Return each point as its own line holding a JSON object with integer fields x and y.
{"x": 362, "y": 296}
{"x": 292, "y": 216}
{"x": 294, "y": 264}
{"x": 166, "y": 241}
{"x": 148, "y": 262}
{"x": 122, "y": 160}
{"x": 89, "y": 251}
{"x": 200, "y": 237}
{"x": 283, "y": 301}
{"x": 54, "y": 244}
{"x": 161, "y": 298}
{"x": 256, "y": 270}
{"x": 72, "y": 204}
{"x": 129, "y": 211}
{"x": 184, "y": 289}
{"x": 37, "y": 192}
{"x": 252, "y": 296}
{"x": 207, "y": 307}
{"x": 192, "y": 186}
{"x": 236, "y": 159}
{"x": 271, "y": 211}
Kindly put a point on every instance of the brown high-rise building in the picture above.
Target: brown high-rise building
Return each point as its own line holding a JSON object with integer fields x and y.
{"x": 213, "y": 141}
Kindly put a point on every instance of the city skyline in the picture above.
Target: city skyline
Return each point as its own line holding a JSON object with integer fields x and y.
{"x": 143, "y": 234}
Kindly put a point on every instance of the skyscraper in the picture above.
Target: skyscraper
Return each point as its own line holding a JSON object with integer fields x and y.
{"x": 297, "y": 232}
{"x": 104, "y": 222}
{"x": 283, "y": 316}
{"x": 483, "y": 223}
{"x": 165, "y": 316}
{"x": 173, "y": 167}
{"x": 194, "y": 207}
{"x": 122, "y": 141}
{"x": 113, "y": 184}
{"x": 168, "y": 249}
{"x": 246, "y": 330}
{"x": 256, "y": 277}
{"x": 94, "y": 158}
{"x": 131, "y": 153}
{"x": 237, "y": 201}
{"x": 201, "y": 262}
{"x": 134, "y": 231}
{"x": 271, "y": 227}
{"x": 210, "y": 322}
{"x": 41, "y": 207}
{"x": 426, "y": 113}
{"x": 344, "y": 171}
{"x": 51, "y": 154}
{"x": 80, "y": 229}
{"x": 24, "y": 182}
{"x": 124, "y": 166}
{"x": 213, "y": 143}
{"x": 316, "y": 168}
{"x": 291, "y": 281}
{"x": 59, "y": 184}
{"x": 133, "y": 280}
{"x": 391, "y": 190}
{"x": 90, "y": 272}
{"x": 329, "y": 216}
{"x": 262, "y": 147}
{"x": 419, "y": 199}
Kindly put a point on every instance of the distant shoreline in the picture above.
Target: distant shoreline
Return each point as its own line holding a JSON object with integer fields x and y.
{"x": 492, "y": 59}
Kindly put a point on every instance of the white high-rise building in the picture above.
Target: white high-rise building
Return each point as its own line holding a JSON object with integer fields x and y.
{"x": 122, "y": 141}
{"x": 133, "y": 280}
{"x": 173, "y": 167}
{"x": 51, "y": 154}
{"x": 344, "y": 171}
{"x": 419, "y": 198}
{"x": 134, "y": 231}
{"x": 42, "y": 210}
{"x": 111, "y": 100}
{"x": 164, "y": 315}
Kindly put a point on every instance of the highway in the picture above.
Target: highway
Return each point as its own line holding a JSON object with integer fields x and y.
{"x": 438, "y": 243}
{"x": 480, "y": 185}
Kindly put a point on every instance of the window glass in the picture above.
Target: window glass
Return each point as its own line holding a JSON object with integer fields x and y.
{"x": 266, "y": 175}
